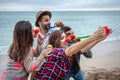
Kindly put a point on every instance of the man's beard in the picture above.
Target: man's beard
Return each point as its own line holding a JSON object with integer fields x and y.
{"x": 47, "y": 28}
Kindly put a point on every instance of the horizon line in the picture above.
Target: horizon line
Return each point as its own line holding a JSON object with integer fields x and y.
{"x": 87, "y": 9}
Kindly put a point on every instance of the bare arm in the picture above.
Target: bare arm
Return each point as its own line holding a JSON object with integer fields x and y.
{"x": 89, "y": 46}
{"x": 93, "y": 43}
{"x": 98, "y": 35}
{"x": 77, "y": 47}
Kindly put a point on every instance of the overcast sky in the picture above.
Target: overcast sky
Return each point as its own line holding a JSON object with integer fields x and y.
{"x": 35, "y": 5}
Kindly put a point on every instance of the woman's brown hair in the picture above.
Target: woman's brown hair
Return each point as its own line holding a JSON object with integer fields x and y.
{"x": 55, "y": 38}
{"x": 22, "y": 41}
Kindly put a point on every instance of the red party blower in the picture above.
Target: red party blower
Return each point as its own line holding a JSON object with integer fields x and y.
{"x": 36, "y": 31}
{"x": 107, "y": 30}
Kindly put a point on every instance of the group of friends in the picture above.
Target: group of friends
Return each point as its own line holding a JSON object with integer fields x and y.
{"x": 29, "y": 59}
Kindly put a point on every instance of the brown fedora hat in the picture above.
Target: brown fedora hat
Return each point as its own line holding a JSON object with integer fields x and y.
{"x": 40, "y": 14}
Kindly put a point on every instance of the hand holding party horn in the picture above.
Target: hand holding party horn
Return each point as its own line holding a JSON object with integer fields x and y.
{"x": 107, "y": 30}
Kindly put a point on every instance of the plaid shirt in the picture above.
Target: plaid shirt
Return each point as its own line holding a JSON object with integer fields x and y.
{"x": 56, "y": 67}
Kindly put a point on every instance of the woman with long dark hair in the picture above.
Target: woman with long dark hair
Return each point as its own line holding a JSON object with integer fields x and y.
{"x": 20, "y": 53}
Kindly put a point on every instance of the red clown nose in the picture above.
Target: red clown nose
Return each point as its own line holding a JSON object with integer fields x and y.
{"x": 67, "y": 40}
{"x": 73, "y": 36}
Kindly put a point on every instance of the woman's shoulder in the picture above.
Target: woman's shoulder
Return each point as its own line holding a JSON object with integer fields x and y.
{"x": 58, "y": 51}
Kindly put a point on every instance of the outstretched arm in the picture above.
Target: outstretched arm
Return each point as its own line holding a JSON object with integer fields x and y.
{"x": 89, "y": 46}
{"x": 98, "y": 36}
{"x": 92, "y": 44}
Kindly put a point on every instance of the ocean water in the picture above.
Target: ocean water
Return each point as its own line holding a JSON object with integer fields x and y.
{"x": 82, "y": 23}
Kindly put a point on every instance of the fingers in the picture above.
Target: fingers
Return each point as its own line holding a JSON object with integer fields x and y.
{"x": 40, "y": 41}
{"x": 59, "y": 24}
{"x": 100, "y": 30}
{"x": 99, "y": 34}
{"x": 47, "y": 55}
{"x": 46, "y": 52}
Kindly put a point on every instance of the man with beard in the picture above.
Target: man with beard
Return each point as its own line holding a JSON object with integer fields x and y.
{"x": 43, "y": 22}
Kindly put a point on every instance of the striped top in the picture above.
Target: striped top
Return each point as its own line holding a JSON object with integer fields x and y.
{"x": 17, "y": 71}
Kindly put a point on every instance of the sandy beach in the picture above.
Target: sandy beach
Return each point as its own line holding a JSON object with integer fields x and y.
{"x": 104, "y": 65}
